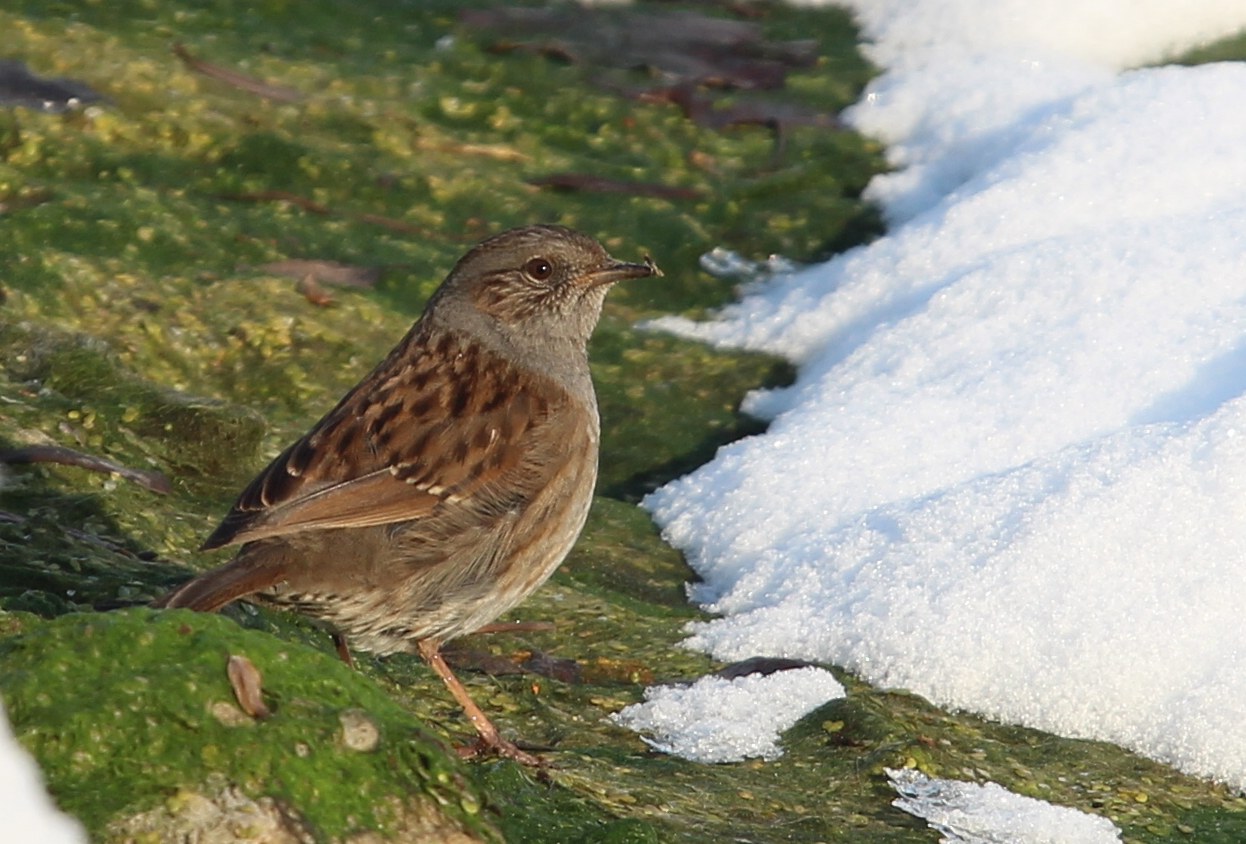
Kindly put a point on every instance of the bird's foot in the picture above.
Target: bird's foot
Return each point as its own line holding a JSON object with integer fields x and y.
{"x": 499, "y": 746}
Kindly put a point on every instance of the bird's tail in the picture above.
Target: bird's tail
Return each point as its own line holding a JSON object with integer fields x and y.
{"x": 245, "y": 575}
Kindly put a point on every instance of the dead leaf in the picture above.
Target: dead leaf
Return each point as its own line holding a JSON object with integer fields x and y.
{"x": 313, "y": 292}
{"x": 689, "y": 52}
{"x": 333, "y": 273}
{"x": 524, "y": 662}
{"x": 563, "y": 670}
{"x": 471, "y": 659}
{"x": 681, "y": 45}
{"x": 267, "y": 90}
{"x": 247, "y": 684}
{"x": 601, "y": 184}
{"x": 763, "y": 665}
{"x": 610, "y": 672}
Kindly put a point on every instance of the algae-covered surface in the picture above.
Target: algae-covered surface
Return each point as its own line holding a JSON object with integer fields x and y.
{"x": 150, "y": 315}
{"x": 134, "y": 718}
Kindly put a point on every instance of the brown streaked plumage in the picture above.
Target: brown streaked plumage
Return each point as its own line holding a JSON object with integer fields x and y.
{"x": 452, "y": 480}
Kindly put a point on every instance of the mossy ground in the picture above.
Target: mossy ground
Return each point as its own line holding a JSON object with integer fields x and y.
{"x": 136, "y": 323}
{"x": 164, "y": 723}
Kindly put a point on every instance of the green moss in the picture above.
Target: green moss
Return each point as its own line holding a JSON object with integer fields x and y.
{"x": 566, "y": 816}
{"x": 129, "y": 710}
{"x": 1227, "y": 50}
{"x": 641, "y": 372}
{"x": 80, "y": 377}
{"x": 622, "y": 557}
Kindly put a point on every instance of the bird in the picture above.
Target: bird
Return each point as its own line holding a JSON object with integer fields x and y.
{"x": 451, "y": 481}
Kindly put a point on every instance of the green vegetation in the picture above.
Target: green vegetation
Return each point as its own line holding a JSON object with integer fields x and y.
{"x": 139, "y": 321}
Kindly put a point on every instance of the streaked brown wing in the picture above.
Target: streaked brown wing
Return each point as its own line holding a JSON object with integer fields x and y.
{"x": 423, "y": 430}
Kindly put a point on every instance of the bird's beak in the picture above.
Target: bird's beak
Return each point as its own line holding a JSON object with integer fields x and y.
{"x": 619, "y": 271}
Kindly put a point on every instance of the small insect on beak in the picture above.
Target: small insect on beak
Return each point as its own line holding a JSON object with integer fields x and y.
{"x": 619, "y": 271}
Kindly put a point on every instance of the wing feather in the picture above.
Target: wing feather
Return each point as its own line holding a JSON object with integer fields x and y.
{"x": 434, "y": 424}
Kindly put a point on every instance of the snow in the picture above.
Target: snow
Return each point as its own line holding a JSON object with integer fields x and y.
{"x": 968, "y": 813}
{"x": 28, "y": 814}
{"x": 721, "y": 720}
{"x": 1011, "y": 474}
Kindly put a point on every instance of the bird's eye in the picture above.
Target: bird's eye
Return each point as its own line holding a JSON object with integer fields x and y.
{"x": 539, "y": 268}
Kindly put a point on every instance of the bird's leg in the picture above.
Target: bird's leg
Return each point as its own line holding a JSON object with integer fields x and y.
{"x": 490, "y": 740}
{"x": 343, "y": 650}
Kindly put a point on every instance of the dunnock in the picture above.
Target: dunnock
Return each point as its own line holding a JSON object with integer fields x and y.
{"x": 451, "y": 481}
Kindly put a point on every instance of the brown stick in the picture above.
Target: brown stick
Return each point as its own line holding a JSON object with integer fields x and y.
{"x": 154, "y": 481}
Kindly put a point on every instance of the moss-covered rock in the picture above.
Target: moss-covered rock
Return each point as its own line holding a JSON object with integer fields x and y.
{"x": 139, "y": 732}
